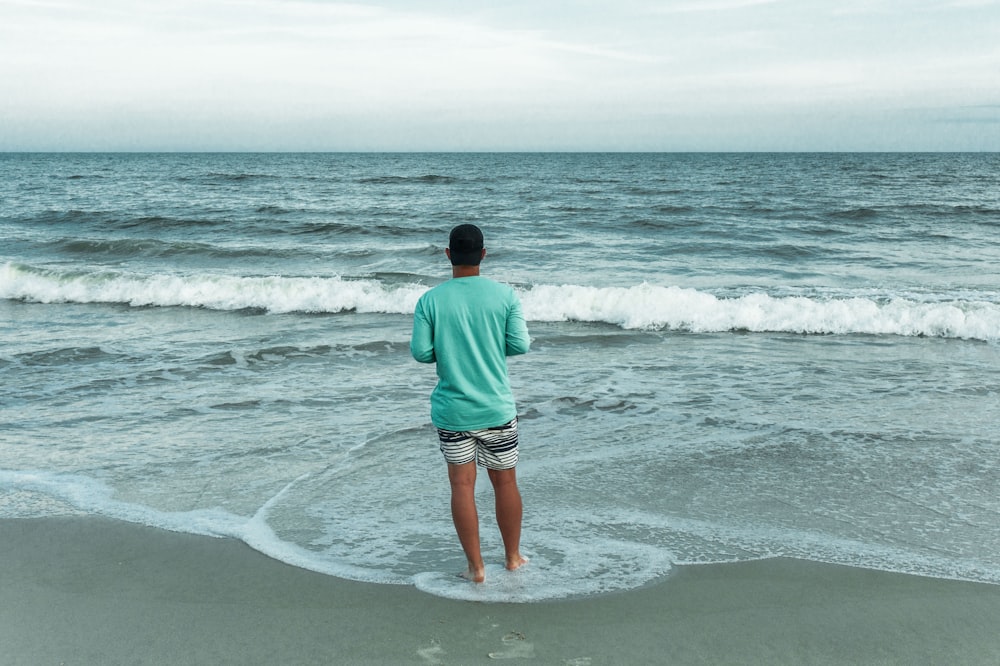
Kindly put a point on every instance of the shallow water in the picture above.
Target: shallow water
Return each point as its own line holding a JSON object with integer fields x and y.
{"x": 734, "y": 357}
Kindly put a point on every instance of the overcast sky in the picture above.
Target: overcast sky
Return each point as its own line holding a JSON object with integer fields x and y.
{"x": 670, "y": 75}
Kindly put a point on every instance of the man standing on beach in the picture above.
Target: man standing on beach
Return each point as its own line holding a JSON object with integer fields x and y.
{"x": 468, "y": 326}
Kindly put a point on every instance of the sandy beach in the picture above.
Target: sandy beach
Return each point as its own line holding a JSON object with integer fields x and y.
{"x": 96, "y": 591}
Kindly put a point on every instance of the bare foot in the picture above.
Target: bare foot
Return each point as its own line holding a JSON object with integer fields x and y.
{"x": 475, "y": 574}
{"x": 516, "y": 562}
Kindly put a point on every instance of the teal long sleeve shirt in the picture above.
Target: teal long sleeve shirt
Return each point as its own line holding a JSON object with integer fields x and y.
{"x": 468, "y": 327}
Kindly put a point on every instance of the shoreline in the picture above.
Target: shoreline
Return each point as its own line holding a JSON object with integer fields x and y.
{"x": 98, "y": 591}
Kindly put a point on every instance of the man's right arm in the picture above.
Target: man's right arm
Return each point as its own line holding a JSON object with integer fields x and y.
{"x": 518, "y": 341}
{"x": 422, "y": 339}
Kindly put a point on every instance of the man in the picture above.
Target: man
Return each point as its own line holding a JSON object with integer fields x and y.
{"x": 468, "y": 326}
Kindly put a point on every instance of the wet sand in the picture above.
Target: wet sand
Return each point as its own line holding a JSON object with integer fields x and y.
{"x": 97, "y": 591}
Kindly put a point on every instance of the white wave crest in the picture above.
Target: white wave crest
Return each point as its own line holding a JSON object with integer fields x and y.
{"x": 643, "y": 306}
{"x": 656, "y": 308}
{"x": 216, "y": 292}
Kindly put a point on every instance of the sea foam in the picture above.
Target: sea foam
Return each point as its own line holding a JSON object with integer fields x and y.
{"x": 562, "y": 565}
{"x": 275, "y": 294}
{"x": 91, "y": 496}
{"x": 642, "y": 306}
{"x": 652, "y": 307}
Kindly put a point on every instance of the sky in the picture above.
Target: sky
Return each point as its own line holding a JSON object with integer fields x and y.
{"x": 518, "y": 75}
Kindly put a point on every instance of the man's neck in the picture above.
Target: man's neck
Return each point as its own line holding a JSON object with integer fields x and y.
{"x": 464, "y": 271}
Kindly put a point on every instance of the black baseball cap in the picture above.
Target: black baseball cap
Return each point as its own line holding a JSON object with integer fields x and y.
{"x": 466, "y": 245}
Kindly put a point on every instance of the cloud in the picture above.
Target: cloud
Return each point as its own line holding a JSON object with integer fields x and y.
{"x": 712, "y": 6}
{"x": 255, "y": 50}
{"x": 981, "y": 114}
{"x": 483, "y": 72}
{"x": 970, "y": 4}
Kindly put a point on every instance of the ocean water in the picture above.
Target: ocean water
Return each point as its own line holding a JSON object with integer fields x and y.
{"x": 734, "y": 357}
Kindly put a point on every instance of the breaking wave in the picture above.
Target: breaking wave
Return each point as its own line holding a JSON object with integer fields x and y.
{"x": 643, "y": 306}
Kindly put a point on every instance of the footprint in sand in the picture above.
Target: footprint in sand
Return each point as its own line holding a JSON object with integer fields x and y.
{"x": 514, "y": 647}
{"x": 431, "y": 654}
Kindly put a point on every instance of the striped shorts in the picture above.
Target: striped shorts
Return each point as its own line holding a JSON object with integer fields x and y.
{"x": 493, "y": 448}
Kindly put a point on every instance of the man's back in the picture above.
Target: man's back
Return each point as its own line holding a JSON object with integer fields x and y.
{"x": 468, "y": 326}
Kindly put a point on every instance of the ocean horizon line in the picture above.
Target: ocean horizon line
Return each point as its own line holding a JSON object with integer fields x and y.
{"x": 186, "y": 151}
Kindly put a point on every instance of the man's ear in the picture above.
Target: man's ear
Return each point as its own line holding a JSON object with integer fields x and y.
{"x": 447, "y": 253}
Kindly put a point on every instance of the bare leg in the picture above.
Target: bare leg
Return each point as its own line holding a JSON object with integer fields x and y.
{"x": 465, "y": 517}
{"x": 509, "y": 510}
